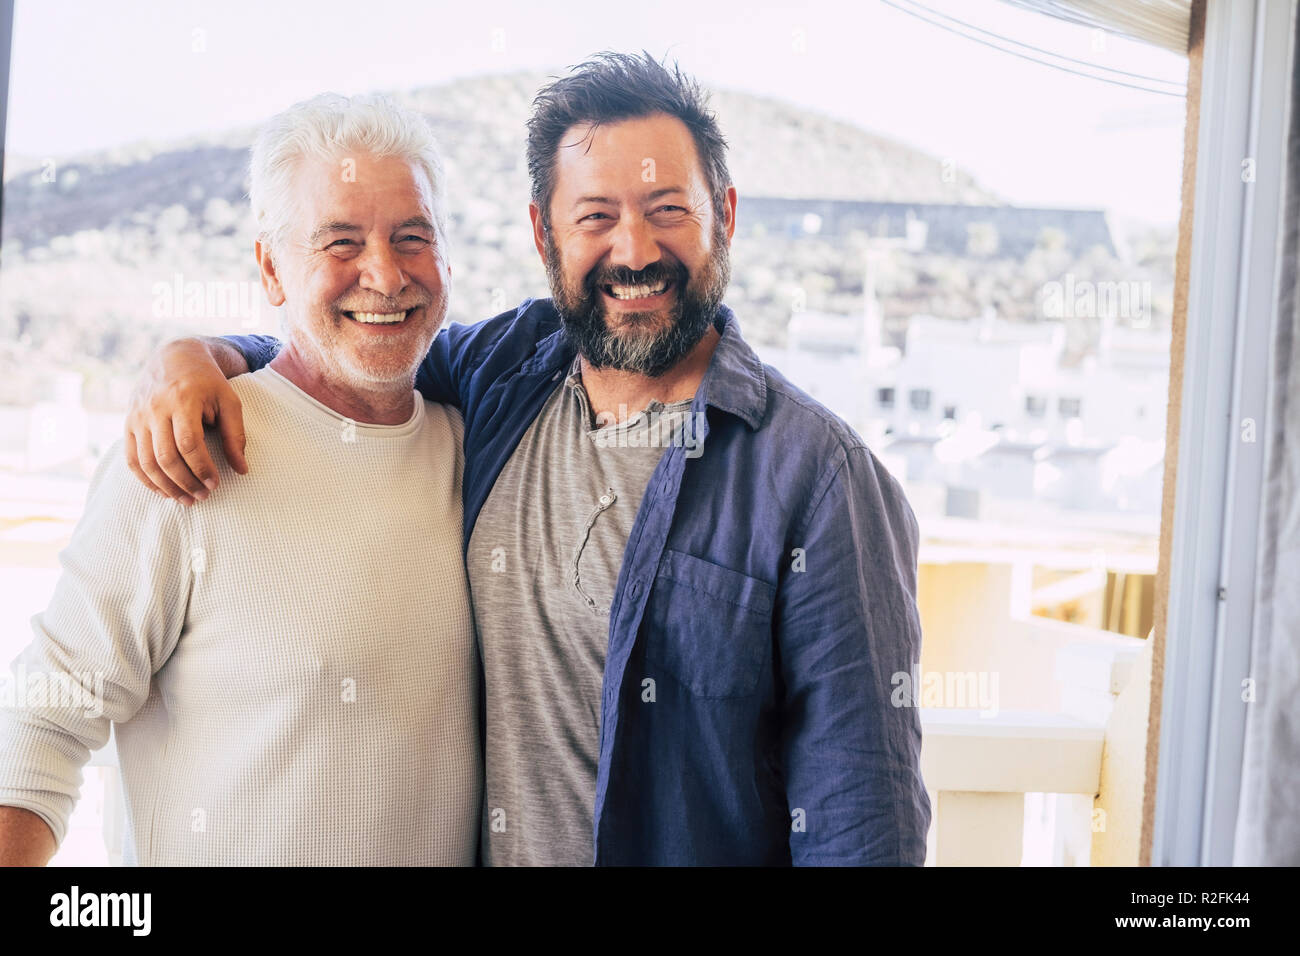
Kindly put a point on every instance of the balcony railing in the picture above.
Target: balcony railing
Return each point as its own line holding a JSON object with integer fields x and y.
{"x": 978, "y": 769}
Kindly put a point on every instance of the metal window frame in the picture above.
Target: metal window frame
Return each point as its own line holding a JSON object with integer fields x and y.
{"x": 1231, "y": 314}
{"x": 6, "y": 46}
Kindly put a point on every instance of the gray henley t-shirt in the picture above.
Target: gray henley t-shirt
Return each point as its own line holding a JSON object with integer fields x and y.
{"x": 543, "y": 561}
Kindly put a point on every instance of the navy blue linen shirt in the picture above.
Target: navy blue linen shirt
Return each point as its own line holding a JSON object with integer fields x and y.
{"x": 768, "y": 590}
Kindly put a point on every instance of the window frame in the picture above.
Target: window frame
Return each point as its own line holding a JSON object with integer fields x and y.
{"x": 1232, "y": 308}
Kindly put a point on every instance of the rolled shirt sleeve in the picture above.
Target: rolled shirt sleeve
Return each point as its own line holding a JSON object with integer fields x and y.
{"x": 116, "y": 614}
{"x": 258, "y": 350}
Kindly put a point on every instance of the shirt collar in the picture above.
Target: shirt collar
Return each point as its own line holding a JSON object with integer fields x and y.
{"x": 573, "y": 378}
{"x": 735, "y": 381}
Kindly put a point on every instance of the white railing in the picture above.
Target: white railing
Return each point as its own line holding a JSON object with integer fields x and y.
{"x": 978, "y": 769}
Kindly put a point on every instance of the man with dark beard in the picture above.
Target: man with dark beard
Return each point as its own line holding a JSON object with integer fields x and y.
{"x": 690, "y": 641}
{"x": 663, "y": 343}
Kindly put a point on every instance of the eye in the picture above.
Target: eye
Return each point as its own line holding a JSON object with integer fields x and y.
{"x": 413, "y": 238}
{"x": 340, "y": 242}
{"x": 672, "y": 208}
{"x": 593, "y": 216}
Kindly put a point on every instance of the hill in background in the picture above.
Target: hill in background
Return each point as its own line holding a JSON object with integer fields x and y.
{"x": 92, "y": 243}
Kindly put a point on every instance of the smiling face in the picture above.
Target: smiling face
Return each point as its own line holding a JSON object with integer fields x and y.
{"x": 363, "y": 271}
{"x": 636, "y": 254}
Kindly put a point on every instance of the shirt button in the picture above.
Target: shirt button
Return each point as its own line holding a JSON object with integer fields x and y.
{"x": 605, "y": 499}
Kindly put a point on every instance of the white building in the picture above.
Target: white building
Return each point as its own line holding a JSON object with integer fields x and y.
{"x": 986, "y": 405}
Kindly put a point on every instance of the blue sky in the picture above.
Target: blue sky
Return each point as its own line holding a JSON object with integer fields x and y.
{"x": 88, "y": 75}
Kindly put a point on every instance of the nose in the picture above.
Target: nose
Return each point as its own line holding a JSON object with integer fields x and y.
{"x": 634, "y": 244}
{"x": 381, "y": 271}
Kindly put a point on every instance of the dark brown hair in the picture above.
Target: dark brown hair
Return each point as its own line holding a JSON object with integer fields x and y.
{"x": 611, "y": 87}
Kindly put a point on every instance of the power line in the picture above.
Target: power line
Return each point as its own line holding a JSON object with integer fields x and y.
{"x": 1037, "y": 49}
{"x": 1055, "y": 66}
{"x": 1031, "y": 59}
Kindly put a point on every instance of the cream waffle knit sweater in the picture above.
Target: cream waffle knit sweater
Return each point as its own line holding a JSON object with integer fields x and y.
{"x": 290, "y": 665}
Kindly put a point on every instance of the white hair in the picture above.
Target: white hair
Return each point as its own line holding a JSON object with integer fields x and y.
{"x": 330, "y": 126}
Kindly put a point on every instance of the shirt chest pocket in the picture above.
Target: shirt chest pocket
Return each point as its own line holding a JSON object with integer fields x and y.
{"x": 708, "y": 626}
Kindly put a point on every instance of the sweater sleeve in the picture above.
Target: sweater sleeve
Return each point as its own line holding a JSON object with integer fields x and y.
{"x": 116, "y": 614}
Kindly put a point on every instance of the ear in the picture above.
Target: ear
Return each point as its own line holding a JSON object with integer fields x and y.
{"x": 729, "y": 207}
{"x": 267, "y": 271}
{"x": 539, "y": 230}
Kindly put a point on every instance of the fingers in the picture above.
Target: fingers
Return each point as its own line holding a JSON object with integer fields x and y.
{"x": 169, "y": 459}
{"x": 133, "y": 461}
{"x": 182, "y": 388}
{"x": 230, "y": 419}
{"x": 192, "y": 469}
{"x": 154, "y": 475}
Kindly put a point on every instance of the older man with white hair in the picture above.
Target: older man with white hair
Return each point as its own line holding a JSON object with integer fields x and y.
{"x": 303, "y": 691}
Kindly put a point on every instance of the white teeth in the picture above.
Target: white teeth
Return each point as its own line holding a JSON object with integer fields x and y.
{"x": 636, "y": 291}
{"x": 379, "y": 318}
